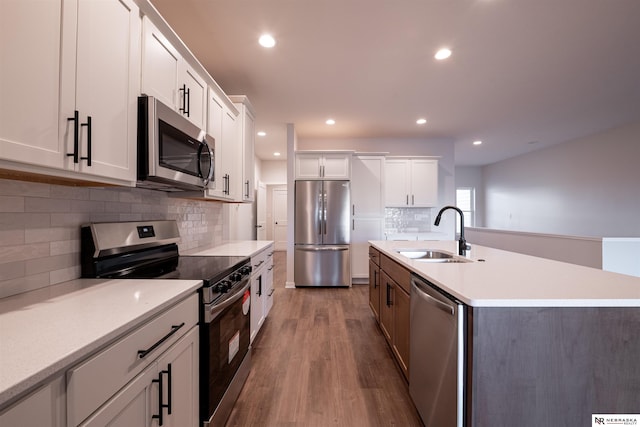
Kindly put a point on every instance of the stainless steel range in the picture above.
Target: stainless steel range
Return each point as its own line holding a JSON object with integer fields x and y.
{"x": 137, "y": 250}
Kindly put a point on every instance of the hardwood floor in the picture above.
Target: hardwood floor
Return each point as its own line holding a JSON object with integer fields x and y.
{"x": 320, "y": 360}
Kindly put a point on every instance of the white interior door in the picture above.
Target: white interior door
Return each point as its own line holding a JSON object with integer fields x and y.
{"x": 261, "y": 212}
{"x": 279, "y": 203}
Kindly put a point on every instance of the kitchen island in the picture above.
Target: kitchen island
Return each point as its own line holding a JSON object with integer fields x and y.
{"x": 546, "y": 342}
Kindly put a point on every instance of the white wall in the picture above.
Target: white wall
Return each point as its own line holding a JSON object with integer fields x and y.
{"x": 273, "y": 171}
{"x": 584, "y": 187}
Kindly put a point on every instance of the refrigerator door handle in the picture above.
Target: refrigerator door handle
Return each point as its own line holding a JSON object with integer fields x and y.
{"x": 322, "y": 248}
{"x": 324, "y": 210}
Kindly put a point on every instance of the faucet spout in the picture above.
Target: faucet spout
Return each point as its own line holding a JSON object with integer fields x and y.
{"x": 462, "y": 243}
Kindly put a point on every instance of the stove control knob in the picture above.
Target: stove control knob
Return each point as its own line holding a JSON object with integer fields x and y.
{"x": 246, "y": 270}
{"x": 236, "y": 277}
{"x": 223, "y": 286}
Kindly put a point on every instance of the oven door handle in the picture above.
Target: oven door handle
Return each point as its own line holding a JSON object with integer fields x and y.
{"x": 211, "y": 311}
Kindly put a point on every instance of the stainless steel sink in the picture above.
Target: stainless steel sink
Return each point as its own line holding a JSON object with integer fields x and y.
{"x": 430, "y": 255}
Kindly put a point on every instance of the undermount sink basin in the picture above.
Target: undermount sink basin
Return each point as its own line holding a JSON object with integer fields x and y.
{"x": 430, "y": 255}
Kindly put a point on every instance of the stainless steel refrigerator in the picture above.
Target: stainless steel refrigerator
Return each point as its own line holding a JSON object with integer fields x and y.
{"x": 322, "y": 233}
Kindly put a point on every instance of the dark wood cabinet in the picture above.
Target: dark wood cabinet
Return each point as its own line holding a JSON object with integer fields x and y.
{"x": 389, "y": 285}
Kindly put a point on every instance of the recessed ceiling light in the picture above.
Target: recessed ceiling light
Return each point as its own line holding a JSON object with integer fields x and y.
{"x": 330, "y": 122}
{"x": 267, "y": 40}
{"x": 421, "y": 121}
{"x": 276, "y": 154}
{"x": 262, "y": 133}
{"x": 443, "y": 53}
{"x": 477, "y": 142}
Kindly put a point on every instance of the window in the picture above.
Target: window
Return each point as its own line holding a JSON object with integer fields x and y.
{"x": 466, "y": 201}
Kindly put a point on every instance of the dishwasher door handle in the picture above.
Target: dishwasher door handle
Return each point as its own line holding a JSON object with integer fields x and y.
{"x": 449, "y": 309}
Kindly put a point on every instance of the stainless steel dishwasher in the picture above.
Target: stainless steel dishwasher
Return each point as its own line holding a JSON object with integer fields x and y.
{"x": 437, "y": 355}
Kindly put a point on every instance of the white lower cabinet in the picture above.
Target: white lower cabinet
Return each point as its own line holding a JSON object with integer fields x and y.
{"x": 150, "y": 373}
{"x": 261, "y": 288}
{"x": 45, "y": 407}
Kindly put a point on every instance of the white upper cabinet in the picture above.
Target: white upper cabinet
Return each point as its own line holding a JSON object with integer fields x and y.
{"x": 222, "y": 126}
{"x": 167, "y": 76}
{"x": 246, "y": 135}
{"x": 411, "y": 182}
{"x": 85, "y": 76}
{"x": 30, "y": 70}
{"x": 323, "y": 165}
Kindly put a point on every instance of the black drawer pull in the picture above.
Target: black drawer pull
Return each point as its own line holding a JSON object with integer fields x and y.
{"x": 174, "y": 329}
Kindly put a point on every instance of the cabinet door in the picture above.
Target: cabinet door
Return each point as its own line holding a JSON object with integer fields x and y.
{"x": 215, "y": 112}
{"x": 363, "y": 230}
{"x": 248, "y": 144}
{"x": 231, "y": 153}
{"x": 257, "y": 302}
{"x": 179, "y": 367}
{"x": 30, "y": 64}
{"x": 193, "y": 105}
{"x": 396, "y": 188}
{"x": 43, "y": 408}
{"x": 336, "y": 166}
{"x": 160, "y": 66}
{"x": 107, "y": 86}
{"x": 134, "y": 405}
{"x": 424, "y": 182}
{"x": 386, "y": 305}
{"x": 367, "y": 186}
{"x": 401, "y": 320}
{"x": 374, "y": 289}
{"x": 308, "y": 166}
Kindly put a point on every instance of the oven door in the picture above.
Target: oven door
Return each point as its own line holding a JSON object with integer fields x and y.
{"x": 225, "y": 357}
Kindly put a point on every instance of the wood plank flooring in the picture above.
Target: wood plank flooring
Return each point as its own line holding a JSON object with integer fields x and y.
{"x": 320, "y": 360}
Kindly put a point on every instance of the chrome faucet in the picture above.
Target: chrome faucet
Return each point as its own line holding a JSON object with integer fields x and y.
{"x": 462, "y": 243}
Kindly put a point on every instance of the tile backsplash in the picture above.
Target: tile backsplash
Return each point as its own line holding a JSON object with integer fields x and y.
{"x": 407, "y": 220}
{"x": 40, "y": 226}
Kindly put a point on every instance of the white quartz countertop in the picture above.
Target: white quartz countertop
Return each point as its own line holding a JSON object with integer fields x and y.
{"x": 231, "y": 248}
{"x": 44, "y": 332}
{"x": 508, "y": 279}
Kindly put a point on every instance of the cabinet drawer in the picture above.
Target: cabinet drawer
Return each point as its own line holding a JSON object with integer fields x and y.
{"x": 94, "y": 381}
{"x": 374, "y": 255}
{"x": 401, "y": 275}
{"x": 262, "y": 259}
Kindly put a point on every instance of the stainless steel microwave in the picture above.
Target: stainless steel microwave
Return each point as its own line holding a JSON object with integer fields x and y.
{"x": 173, "y": 153}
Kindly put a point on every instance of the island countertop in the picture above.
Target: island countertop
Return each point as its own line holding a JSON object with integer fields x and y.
{"x": 43, "y": 332}
{"x": 498, "y": 278}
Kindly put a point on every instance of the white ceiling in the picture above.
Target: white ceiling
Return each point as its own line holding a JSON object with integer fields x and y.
{"x": 524, "y": 74}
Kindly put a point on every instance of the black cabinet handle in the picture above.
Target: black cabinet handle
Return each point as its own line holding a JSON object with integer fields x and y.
{"x": 168, "y": 371}
{"x": 188, "y": 102}
{"x": 88, "y": 125}
{"x": 247, "y": 184}
{"x": 388, "y": 295}
{"x": 174, "y": 329}
{"x": 413, "y": 202}
{"x": 259, "y": 285}
{"x": 76, "y": 130}
{"x": 160, "y": 404}
{"x": 407, "y": 200}
{"x": 183, "y": 109}
{"x": 375, "y": 279}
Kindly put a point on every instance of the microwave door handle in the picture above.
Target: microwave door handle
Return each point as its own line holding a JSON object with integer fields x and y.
{"x": 204, "y": 146}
